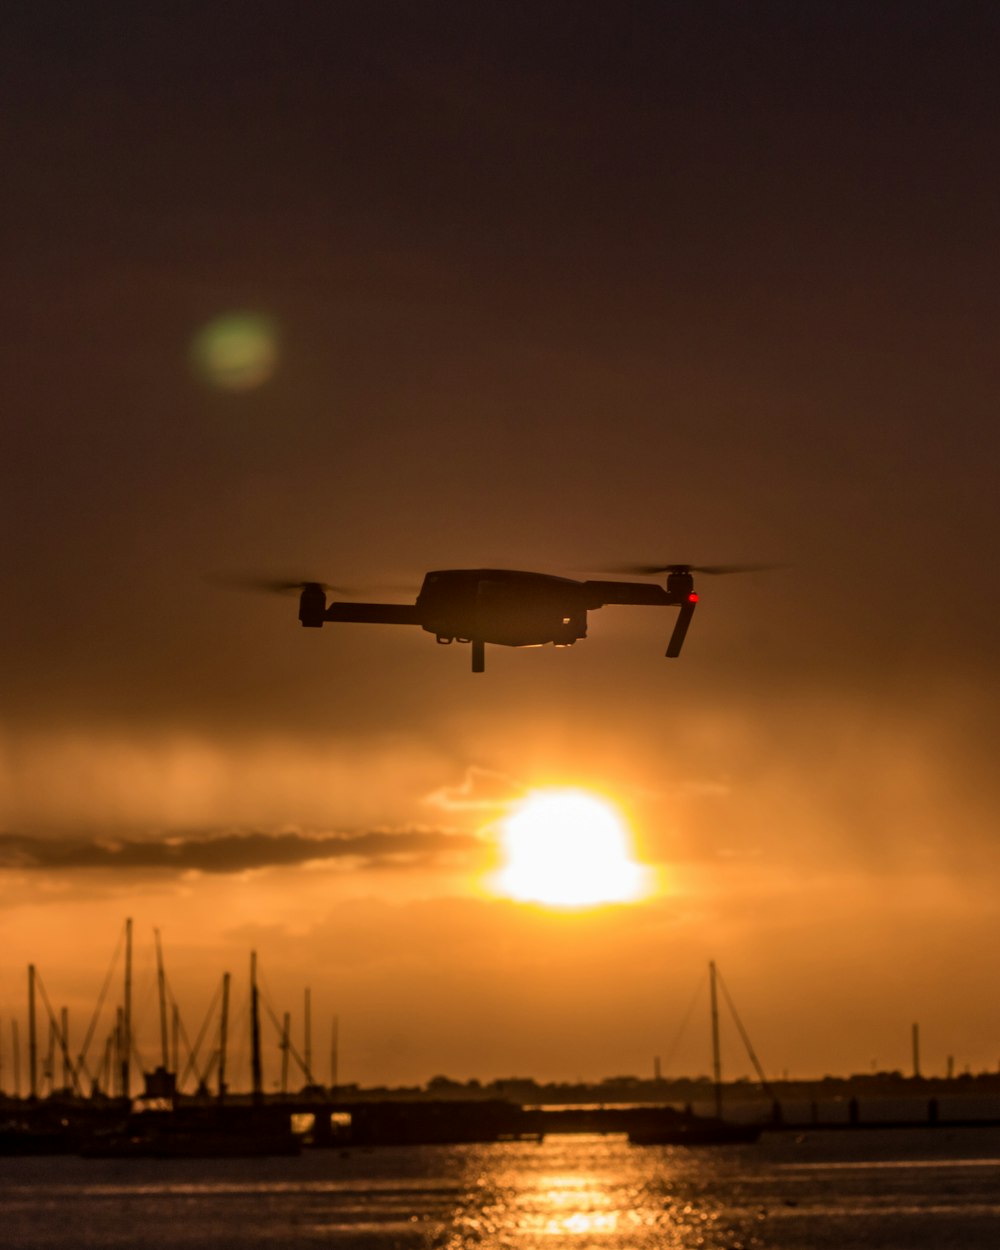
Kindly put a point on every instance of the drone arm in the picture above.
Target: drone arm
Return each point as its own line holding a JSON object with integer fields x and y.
{"x": 601, "y": 594}
{"x": 374, "y": 613}
{"x": 680, "y": 628}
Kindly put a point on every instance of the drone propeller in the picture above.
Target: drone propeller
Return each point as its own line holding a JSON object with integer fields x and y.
{"x": 714, "y": 570}
{"x": 271, "y": 585}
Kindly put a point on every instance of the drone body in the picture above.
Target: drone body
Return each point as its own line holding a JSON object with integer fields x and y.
{"x": 509, "y": 608}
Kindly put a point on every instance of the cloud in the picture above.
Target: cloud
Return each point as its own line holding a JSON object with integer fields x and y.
{"x": 218, "y": 852}
{"x": 480, "y": 790}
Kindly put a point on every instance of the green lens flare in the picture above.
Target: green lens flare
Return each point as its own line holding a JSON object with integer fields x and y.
{"x": 236, "y": 351}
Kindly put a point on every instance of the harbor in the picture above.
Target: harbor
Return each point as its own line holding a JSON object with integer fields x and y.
{"x": 97, "y": 1112}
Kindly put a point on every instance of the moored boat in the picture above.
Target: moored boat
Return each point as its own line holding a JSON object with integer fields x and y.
{"x": 675, "y": 1128}
{"x": 694, "y": 1130}
{"x": 206, "y": 1135}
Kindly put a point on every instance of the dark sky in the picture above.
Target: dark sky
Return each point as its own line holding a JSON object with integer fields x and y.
{"x": 553, "y": 286}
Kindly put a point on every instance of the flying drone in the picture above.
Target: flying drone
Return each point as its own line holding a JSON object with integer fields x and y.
{"x": 510, "y": 608}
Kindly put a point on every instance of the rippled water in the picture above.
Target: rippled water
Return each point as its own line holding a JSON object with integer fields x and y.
{"x": 872, "y": 1190}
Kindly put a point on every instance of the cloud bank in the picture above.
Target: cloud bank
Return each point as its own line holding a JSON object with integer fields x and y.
{"x": 235, "y": 852}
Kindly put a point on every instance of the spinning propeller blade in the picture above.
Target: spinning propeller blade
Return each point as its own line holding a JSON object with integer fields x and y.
{"x": 713, "y": 570}
{"x": 271, "y": 585}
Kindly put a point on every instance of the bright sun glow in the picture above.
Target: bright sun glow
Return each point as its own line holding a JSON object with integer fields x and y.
{"x": 568, "y": 849}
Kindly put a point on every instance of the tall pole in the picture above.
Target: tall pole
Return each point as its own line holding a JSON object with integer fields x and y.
{"x": 15, "y": 1045}
{"x": 308, "y": 1051}
{"x": 161, "y": 982}
{"x": 716, "y": 1057}
{"x": 258, "y": 1082}
{"x": 49, "y": 1066}
{"x": 119, "y": 1048}
{"x": 175, "y": 1040}
{"x": 64, "y": 1024}
{"x": 108, "y": 1066}
{"x": 285, "y": 1043}
{"x": 334, "y": 1056}
{"x": 223, "y": 1035}
{"x": 126, "y": 1051}
{"x": 916, "y": 1050}
{"x": 32, "y": 1036}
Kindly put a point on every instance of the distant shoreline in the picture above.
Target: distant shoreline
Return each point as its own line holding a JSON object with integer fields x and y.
{"x": 692, "y": 1089}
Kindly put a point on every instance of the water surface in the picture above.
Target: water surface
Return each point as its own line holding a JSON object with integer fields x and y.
{"x": 876, "y": 1190}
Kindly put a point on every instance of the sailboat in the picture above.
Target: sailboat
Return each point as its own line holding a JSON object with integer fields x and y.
{"x": 199, "y": 1131}
{"x": 684, "y": 1128}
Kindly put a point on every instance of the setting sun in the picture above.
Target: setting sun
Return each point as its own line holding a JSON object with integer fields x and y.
{"x": 567, "y": 848}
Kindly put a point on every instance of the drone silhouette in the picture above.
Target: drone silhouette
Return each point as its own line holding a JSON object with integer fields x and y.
{"x": 510, "y": 608}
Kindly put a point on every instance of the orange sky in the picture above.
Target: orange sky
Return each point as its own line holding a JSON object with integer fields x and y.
{"x": 549, "y": 290}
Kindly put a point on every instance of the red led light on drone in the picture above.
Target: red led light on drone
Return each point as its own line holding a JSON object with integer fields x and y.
{"x": 692, "y": 597}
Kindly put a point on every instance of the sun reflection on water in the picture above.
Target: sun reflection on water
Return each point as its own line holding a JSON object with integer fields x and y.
{"x": 631, "y": 1199}
{"x": 573, "y": 1204}
{"x": 583, "y": 1193}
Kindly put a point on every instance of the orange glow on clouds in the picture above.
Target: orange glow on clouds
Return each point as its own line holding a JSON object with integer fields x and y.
{"x": 567, "y": 848}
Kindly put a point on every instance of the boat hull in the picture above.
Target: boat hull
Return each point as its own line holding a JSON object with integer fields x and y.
{"x": 695, "y": 1131}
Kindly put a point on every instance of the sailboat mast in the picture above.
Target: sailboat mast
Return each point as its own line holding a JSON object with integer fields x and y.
{"x": 32, "y": 1036}
{"x": 161, "y": 982}
{"x": 258, "y": 1083}
{"x": 120, "y": 1049}
{"x": 308, "y": 1037}
{"x": 49, "y": 1066}
{"x": 15, "y": 1043}
{"x": 64, "y": 1028}
{"x": 126, "y": 1047}
{"x": 107, "y": 1068}
{"x": 285, "y": 1043}
{"x": 223, "y": 1035}
{"x": 716, "y": 1056}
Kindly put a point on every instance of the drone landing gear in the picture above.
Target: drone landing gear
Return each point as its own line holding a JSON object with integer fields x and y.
{"x": 478, "y": 655}
{"x": 680, "y": 628}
